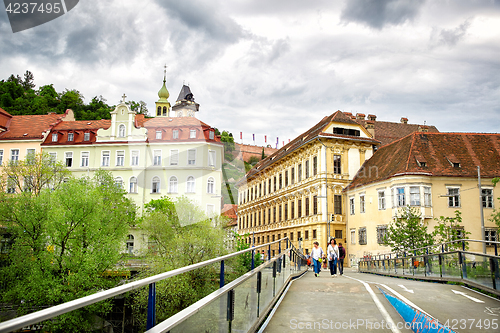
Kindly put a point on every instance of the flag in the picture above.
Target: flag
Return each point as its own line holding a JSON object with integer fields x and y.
{"x": 253, "y": 137}
{"x": 283, "y": 143}
{"x": 288, "y": 140}
{"x": 241, "y": 135}
{"x": 277, "y": 142}
{"x": 265, "y": 138}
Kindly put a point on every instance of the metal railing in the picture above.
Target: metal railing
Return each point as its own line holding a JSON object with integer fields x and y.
{"x": 290, "y": 255}
{"x": 446, "y": 264}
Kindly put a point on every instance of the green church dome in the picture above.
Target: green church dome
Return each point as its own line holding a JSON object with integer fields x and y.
{"x": 163, "y": 93}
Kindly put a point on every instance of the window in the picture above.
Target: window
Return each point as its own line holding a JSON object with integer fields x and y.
{"x": 315, "y": 165}
{"x": 135, "y": 158}
{"x": 164, "y": 111}
{"x": 86, "y": 136}
{"x": 454, "y": 197}
{"x": 307, "y": 206}
{"x": 381, "y": 200}
{"x": 353, "y": 236}
{"x": 105, "y": 158}
{"x": 280, "y": 181}
{"x": 351, "y": 205}
{"x": 362, "y": 203}
{"x": 299, "y": 208}
{"x": 158, "y": 112}
{"x": 174, "y": 157}
{"x": 337, "y": 204}
{"x": 487, "y": 195}
{"x": 292, "y": 209}
{"x": 414, "y": 196}
{"x": 337, "y": 164}
{"x": 191, "y": 156}
{"x": 307, "y": 169}
{"x": 121, "y": 131}
{"x": 286, "y": 178}
{"x": 381, "y": 233}
{"x": 279, "y": 213}
{"x": 299, "y": 235}
{"x": 211, "y": 185}
{"x": 291, "y": 236}
{"x": 292, "y": 175}
{"x": 269, "y": 216}
{"x": 274, "y": 184}
{"x": 490, "y": 234}
{"x": 158, "y": 135}
{"x": 427, "y": 196}
{"x": 14, "y": 155}
{"x": 315, "y": 205}
{"x": 211, "y": 158}
{"x": 1, "y": 156}
{"x": 71, "y": 136}
{"x": 306, "y": 234}
{"x": 299, "y": 173}
{"x": 269, "y": 187}
{"x": 190, "y": 185}
{"x": 192, "y": 134}
{"x": 157, "y": 157}
{"x": 286, "y": 212}
{"x": 172, "y": 185}
{"x": 155, "y": 185}
{"x": 53, "y": 158}
{"x": 54, "y": 137}
{"x": 314, "y": 234}
{"x": 211, "y": 135}
{"x": 362, "y": 236}
{"x": 130, "y": 244}
{"x": 401, "y": 202}
{"x": 120, "y": 158}
{"x": 11, "y": 185}
{"x": 175, "y": 134}
{"x": 69, "y": 159}
{"x": 274, "y": 214}
{"x": 119, "y": 182}
{"x": 133, "y": 185}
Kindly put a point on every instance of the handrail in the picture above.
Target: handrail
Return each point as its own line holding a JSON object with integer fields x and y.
{"x": 38, "y": 316}
{"x": 436, "y": 245}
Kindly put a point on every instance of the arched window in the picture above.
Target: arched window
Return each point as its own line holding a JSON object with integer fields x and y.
{"x": 172, "y": 184}
{"x": 119, "y": 182}
{"x": 190, "y": 185}
{"x": 158, "y": 113}
{"x": 121, "y": 131}
{"x": 165, "y": 111}
{"x": 130, "y": 244}
{"x": 133, "y": 185}
{"x": 155, "y": 185}
{"x": 211, "y": 185}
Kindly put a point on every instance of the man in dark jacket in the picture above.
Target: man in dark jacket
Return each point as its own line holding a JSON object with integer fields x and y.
{"x": 341, "y": 259}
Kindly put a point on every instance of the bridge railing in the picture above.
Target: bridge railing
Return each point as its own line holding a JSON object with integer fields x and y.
{"x": 458, "y": 265}
{"x": 241, "y": 303}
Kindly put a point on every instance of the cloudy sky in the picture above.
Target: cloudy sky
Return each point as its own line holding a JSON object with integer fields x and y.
{"x": 276, "y": 67}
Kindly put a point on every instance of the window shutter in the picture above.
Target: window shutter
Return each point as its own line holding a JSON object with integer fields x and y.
{"x": 174, "y": 157}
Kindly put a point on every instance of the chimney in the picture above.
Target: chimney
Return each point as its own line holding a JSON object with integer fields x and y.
{"x": 404, "y": 120}
{"x": 360, "y": 116}
{"x": 372, "y": 117}
{"x": 348, "y": 114}
{"x": 370, "y": 127}
{"x": 423, "y": 128}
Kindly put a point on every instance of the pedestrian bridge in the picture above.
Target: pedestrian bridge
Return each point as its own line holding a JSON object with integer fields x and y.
{"x": 281, "y": 296}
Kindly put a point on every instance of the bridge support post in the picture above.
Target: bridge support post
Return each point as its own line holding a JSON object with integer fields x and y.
{"x": 269, "y": 253}
{"x": 259, "y": 288}
{"x": 151, "y": 320}
{"x": 253, "y": 260}
{"x": 274, "y": 278}
{"x": 279, "y": 247}
{"x": 221, "y": 276}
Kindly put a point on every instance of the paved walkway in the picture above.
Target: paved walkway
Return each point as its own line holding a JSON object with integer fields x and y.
{"x": 344, "y": 304}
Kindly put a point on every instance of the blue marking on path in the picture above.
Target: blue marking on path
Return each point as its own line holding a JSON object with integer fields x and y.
{"x": 417, "y": 321}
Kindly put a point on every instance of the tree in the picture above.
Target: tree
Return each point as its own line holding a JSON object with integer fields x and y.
{"x": 407, "y": 232}
{"x": 65, "y": 240}
{"x": 28, "y": 82}
{"x": 175, "y": 243}
{"x": 450, "y": 229}
{"x": 33, "y": 174}
{"x": 139, "y": 107}
{"x": 263, "y": 154}
{"x": 228, "y": 140}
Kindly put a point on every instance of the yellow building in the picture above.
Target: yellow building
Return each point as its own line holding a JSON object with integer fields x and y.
{"x": 295, "y": 191}
{"x": 436, "y": 173}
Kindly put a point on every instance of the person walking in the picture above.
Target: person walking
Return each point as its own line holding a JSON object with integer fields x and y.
{"x": 333, "y": 255}
{"x": 316, "y": 254}
{"x": 341, "y": 259}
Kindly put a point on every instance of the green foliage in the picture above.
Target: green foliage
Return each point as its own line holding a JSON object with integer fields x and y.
{"x": 228, "y": 140}
{"x": 450, "y": 229}
{"x": 407, "y": 231}
{"x": 174, "y": 244}
{"x": 138, "y": 107}
{"x": 65, "y": 239}
{"x": 244, "y": 261}
{"x": 495, "y": 216}
{"x": 263, "y": 154}
{"x": 253, "y": 160}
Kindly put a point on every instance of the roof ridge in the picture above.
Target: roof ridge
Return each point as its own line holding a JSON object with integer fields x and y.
{"x": 410, "y": 151}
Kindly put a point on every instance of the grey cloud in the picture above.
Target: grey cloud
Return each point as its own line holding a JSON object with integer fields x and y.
{"x": 377, "y": 14}
{"x": 451, "y": 37}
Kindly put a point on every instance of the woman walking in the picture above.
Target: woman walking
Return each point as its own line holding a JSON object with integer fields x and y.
{"x": 333, "y": 255}
{"x": 316, "y": 254}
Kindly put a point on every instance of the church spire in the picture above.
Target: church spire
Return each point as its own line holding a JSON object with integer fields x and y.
{"x": 162, "y": 105}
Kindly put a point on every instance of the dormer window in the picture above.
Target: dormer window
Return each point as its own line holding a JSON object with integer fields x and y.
{"x": 86, "y": 136}
{"x": 455, "y": 162}
{"x": 211, "y": 135}
{"x": 192, "y": 134}
{"x": 175, "y": 134}
{"x": 158, "y": 135}
{"x": 121, "y": 131}
{"x": 70, "y": 136}
{"x": 421, "y": 161}
{"x": 346, "y": 131}
{"x": 54, "y": 137}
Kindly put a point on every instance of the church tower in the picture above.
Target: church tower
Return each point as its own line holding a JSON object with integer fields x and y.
{"x": 162, "y": 105}
{"x": 185, "y": 106}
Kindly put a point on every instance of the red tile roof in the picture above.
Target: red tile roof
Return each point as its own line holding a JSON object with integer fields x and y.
{"x": 78, "y": 128}
{"x": 439, "y": 151}
{"x": 230, "y": 211}
{"x": 314, "y": 132}
{"x": 29, "y": 126}
{"x": 183, "y": 124}
{"x": 5, "y": 117}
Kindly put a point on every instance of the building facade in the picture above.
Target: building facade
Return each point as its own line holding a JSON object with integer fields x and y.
{"x": 297, "y": 191}
{"x": 436, "y": 174}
